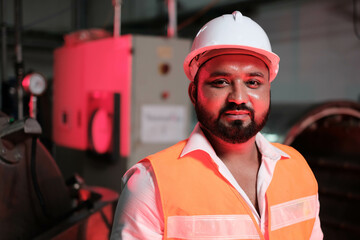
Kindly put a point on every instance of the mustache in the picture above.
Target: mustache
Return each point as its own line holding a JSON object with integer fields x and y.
{"x": 231, "y": 106}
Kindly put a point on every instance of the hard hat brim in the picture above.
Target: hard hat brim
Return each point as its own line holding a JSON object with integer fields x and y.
{"x": 195, "y": 59}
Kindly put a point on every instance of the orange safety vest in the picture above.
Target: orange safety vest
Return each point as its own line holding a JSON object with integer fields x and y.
{"x": 199, "y": 203}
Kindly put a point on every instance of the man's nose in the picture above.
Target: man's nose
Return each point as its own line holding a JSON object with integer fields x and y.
{"x": 238, "y": 93}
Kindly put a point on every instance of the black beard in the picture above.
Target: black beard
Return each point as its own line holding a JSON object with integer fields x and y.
{"x": 236, "y": 132}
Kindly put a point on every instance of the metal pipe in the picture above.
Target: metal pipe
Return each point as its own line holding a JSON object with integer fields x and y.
{"x": 19, "y": 65}
{"x": 33, "y": 106}
{"x": 117, "y": 17}
{"x": 79, "y": 15}
{"x": 172, "y": 26}
{"x": 3, "y": 48}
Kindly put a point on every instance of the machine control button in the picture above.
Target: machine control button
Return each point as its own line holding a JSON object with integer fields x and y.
{"x": 164, "y": 68}
{"x": 165, "y": 95}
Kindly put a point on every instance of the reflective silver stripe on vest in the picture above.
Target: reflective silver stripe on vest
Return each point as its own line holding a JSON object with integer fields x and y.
{"x": 292, "y": 212}
{"x": 211, "y": 227}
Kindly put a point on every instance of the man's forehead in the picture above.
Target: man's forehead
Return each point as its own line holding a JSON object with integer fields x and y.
{"x": 226, "y": 61}
{"x": 241, "y": 58}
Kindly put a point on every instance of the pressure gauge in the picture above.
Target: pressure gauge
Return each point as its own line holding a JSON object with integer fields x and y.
{"x": 35, "y": 83}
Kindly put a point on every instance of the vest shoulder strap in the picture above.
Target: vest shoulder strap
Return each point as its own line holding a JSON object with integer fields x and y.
{"x": 172, "y": 152}
{"x": 292, "y": 197}
{"x": 289, "y": 150}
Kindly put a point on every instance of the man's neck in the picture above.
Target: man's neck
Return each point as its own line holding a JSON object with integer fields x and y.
{"x": 243, "y": 161}
{"x": 226, "y": 151}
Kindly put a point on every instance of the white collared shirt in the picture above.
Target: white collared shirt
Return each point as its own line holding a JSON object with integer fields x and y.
{"x": 139, "y": 211}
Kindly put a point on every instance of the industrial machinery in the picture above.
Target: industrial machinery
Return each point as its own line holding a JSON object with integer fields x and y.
{"x": 36, "y": 202}
{"x": 328, "y": 136}
{"x": 117, "y": 100}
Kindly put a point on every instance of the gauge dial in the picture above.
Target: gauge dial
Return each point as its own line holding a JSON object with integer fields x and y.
{"x": 37, "y": 84}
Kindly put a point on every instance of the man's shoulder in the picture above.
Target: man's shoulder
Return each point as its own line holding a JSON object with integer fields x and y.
{"x": 292, "y": 152}
{"x": 296, "y": 163}
{"x": 173, "y": 151}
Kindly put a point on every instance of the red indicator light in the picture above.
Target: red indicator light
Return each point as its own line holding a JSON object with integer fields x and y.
{"x": 165, "y": 95}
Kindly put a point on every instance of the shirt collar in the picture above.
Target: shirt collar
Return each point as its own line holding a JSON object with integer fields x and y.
{"x": 198, "y": 141}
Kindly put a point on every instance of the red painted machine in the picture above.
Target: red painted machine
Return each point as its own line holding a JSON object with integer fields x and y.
{"x": 87, "y": 77}
{"x": 121, "y": 98}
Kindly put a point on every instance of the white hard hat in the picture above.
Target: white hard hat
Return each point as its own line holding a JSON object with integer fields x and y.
{"x": 230, "y": 34}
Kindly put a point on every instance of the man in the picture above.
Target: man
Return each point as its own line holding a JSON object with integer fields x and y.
{"x": 226, "y": 181}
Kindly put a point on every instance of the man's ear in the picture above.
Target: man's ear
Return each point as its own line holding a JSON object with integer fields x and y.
{"x": 192, "y": 91}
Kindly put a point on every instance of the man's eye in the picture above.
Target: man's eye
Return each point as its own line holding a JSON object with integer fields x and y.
{"x": 253, "y": 83}
{"x": 219, "y": 83}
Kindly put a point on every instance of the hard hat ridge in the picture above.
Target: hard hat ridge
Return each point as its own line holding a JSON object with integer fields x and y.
{"x": 230, "y": 34}
{"x": 237, "y": 15}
